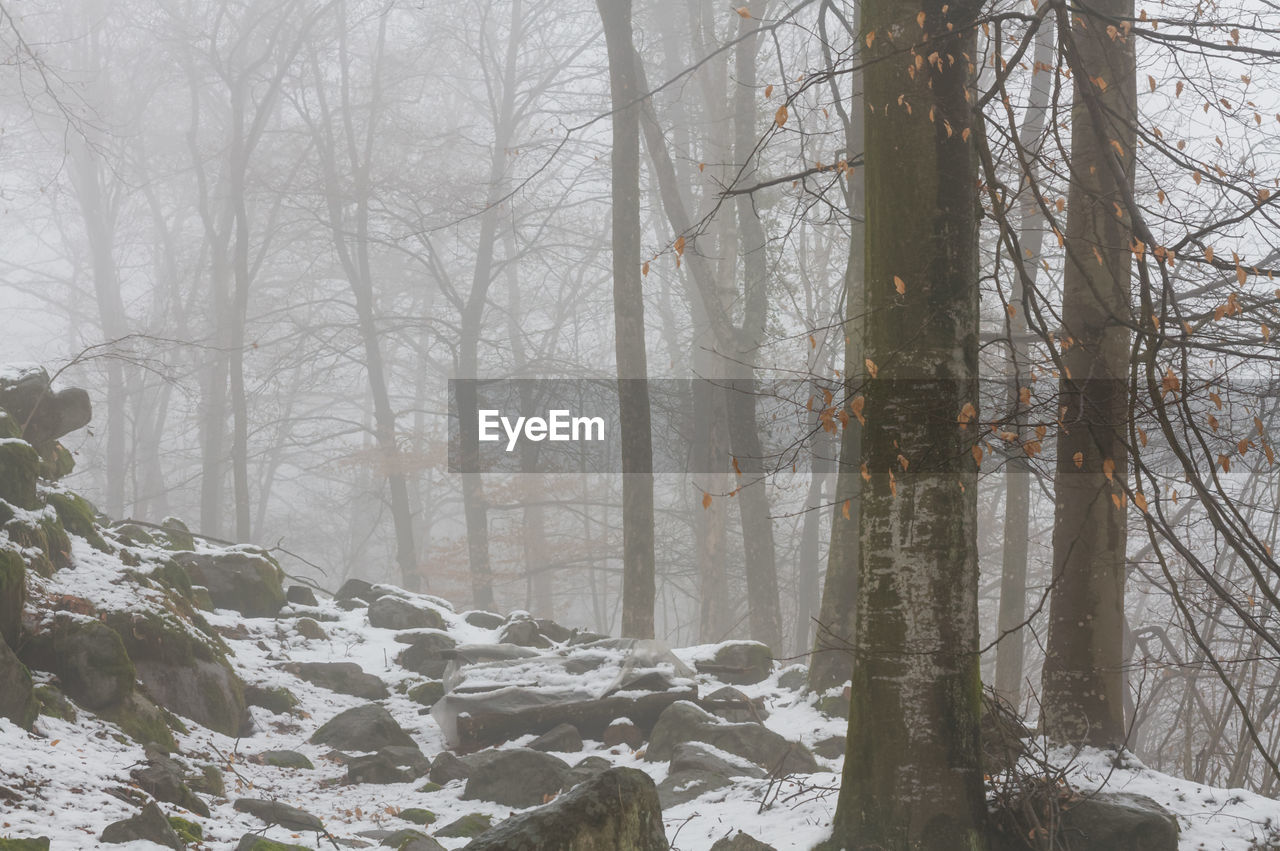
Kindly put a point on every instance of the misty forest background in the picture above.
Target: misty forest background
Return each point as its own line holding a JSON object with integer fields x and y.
{"x": 264, "y": 235}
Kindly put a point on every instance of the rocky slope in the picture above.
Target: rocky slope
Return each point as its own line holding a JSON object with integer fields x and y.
{"x": 155, "y": 688}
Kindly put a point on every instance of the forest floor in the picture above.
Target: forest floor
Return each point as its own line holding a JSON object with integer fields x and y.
{"x": 63, "y": 772}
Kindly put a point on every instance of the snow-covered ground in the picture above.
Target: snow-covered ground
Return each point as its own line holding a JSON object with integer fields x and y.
{"x": 61, "y": 772}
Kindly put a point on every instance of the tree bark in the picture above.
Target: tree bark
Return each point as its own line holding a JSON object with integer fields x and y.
{"x": 1083, "y": 679}
{"x": 913, "y": 773}
{"x": 638, "y": 583}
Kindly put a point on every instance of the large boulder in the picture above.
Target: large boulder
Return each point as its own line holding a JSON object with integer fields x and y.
{"x": 741, "y": 842}
{"x": 519, "y": 777}
{"x": 25, "y": 392}
{"x": 18, "y": 700}
{"x": 364, "y": 728}
{"x": 738, "y": 662}
{"x": 183, "y": 669}
{"x": 685, "y": 722}
{"x": 698, "y": 756}
{"x": 390, "y": 612}
{"x": 615, "y": 809}
{"x": 149, "y": 825}
{"x": 428, "y": 654}
{"x": 19, "y": 469}
{"x": 243, "y": 579}
{"x": 343, "y": 677}
{"x": 1118, "y": 821}
{"x": 88, "y": 657}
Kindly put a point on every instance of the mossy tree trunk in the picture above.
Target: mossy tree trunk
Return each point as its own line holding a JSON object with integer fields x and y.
{"x": 1083, "y": 680}
{"x": 913, "y": 773}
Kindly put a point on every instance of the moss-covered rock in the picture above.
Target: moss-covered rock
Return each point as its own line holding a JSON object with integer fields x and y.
{"x": 174, "y": 535}
{"x": 132, "y": 535}
{"x": 418, "y": 815}
{"x": 78, "y": 516}
{"x": 173, "y": 575}
{"x": 253, "y": 842}
{"x": 209, "y": 782}
{"x": 277, "y": 699}
{"x": 468, "y": 826}
{"x": 13, "y": 594}
{"x": 40, "y": 844}
{"x": 56, "y": 461}
{"x": 54, "y": 703}
{"x": 142, "y": 721}
{"x": 42, "y": 540}
{"x": 88, "y": 657}
{"x": 244, "y": 579}
{"x": 187, "y": 830}
{"x": 183, "y": 670}
{"x": 18, "y": 701}
{"x": 19, "y": 469}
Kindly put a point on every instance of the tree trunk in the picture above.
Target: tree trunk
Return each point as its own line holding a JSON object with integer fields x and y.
{"x": 638, "y": 585}
{"x": 913, "y": 773}
{"x": 807, "y": 567}
{"x": 1010, "y": 652}
{"x": 1083, "y": 680}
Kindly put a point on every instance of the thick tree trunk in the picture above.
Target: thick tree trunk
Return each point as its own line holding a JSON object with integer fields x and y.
{"x": 913, "y": 773}
{"x": 638, "y": 585}
{"x": 1083, "y": 681}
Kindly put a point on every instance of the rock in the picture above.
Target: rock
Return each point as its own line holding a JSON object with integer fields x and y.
{"x": 28, "y": 397}
{"x": 741, "y": 842}
{"x": 301, "y": 595}
{"x": 132, "y": 535}
{"x": 523, "y": 633}
{"x": 254, "y": 842}
{"x": 77, "y": 516}
{"x": 388, "y": 612}
{"x": 588, "y": 768}
{"x": 1119, "y": 821}
{"x": 183, "y": 669}
{"x": 163, "y": 779}
{"x": 832, "y": 747}
{"x": 682, "y": 787}
{"x": 88, "y": 657}
{"x": 309, "y": 628}
{"x": 376, "y": 769}
{"x": 622, "y": 732}
{"x": 52, "y": 701}
{"x": 342, "y": 677}
{"x": 618, "y": 808}
{"x": 554, "y": 631}
{"x": 418, "y": 815}
{"x": 427, "y": 693}
{"x": 794, "y": 678}
{"x": 484, "y": 620}
{"x": 428, "y": 654}
{"x": 18, "y": 700}
{"x": 142, "y": 721}
{"x": 476, "y": 720}
{"x": 448, "y": 766}
{"x": 469, "y": 825}
{"x": 686, "y": 722}
{"x": 243, "y": 579}
{"x": 425, "y": 843}
{"x": 176, "y": 535}
{"x": 697, "y": 756}
{"x": 364, "y": 728}
{"x": 563, "y": 738}
{"x": 517, "y": 778}
{"x": 19, "y": 470}
{"x": 277, "y": 699}
{"x": 284, "y": 759}
{"x": 395, "y": 764}
{"x": 356, "y": 589}
{"x": 150, "y": 824}
{"x": 399, "y": 838}
{"x": 209, "y": 782}
{"x": 732, "y": 705}
{"x": 13, "y": 594}
{"x": 16, "y": 844}
{"x": 739, "y": 662}
{"x": 274, "y": 812}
